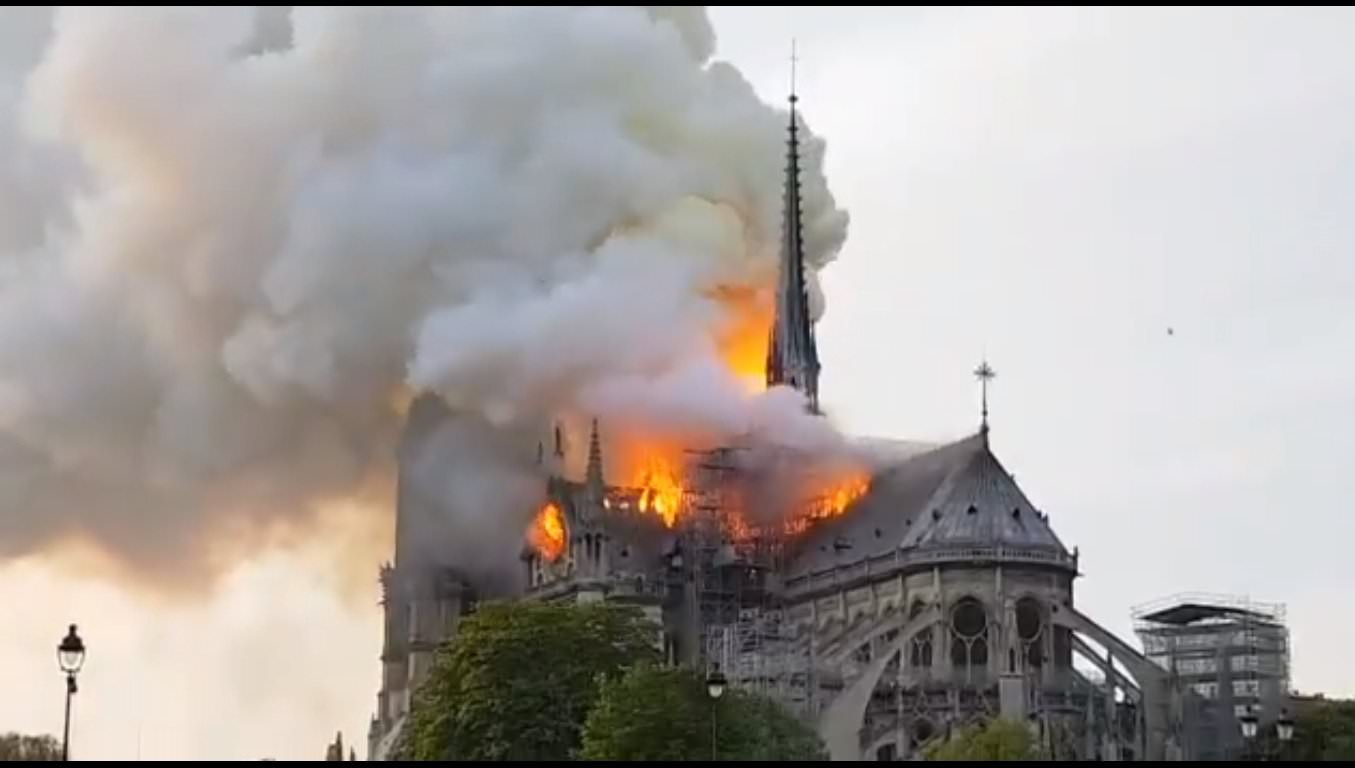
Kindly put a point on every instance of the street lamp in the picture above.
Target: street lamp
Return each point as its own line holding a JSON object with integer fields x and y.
{"x": 715, "y": 685}
{"x": 715, "y": 688}
{"x": 1284, "y": 729}
{"x": 1249, "y": 723}
{"x": 70, "y": 654}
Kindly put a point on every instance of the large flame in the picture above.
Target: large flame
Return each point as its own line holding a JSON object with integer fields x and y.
{"x": 838, "y": 497}
{"x": 547, "y": 532}
{"x": 655, "y": 481}
{"x": 660, "y": 486}
{"x": 828, "y": 499}
{"x": 745, "y": 333}
{"x": 650, "y": 469}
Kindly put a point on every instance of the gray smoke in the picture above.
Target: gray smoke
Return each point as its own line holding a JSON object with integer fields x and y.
{"x": 233, "y": 240}
{"x": 467, "y": 490}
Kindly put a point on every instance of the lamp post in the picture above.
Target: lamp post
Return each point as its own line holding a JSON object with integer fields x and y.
{"x": 1249, "y": 723}
{"x": 715, "y": 687}
{"x": 1284, "y": 729}
{"x": 70, "y": 654}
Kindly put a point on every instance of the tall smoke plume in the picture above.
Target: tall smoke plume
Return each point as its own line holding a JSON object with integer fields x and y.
{"x": 235, "y": 242}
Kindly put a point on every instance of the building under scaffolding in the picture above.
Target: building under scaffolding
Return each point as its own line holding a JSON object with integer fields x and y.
{"x": 736, "y": 599}
{"x": 1231, "y": 654}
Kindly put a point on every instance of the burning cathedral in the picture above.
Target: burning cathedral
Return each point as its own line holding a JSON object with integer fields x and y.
{"x": 885, "y": 605}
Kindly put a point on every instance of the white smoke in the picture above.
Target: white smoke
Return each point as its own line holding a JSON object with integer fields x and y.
{"x": 231, "y": 239}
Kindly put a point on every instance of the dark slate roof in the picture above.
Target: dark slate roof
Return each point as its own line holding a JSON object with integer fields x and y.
{"x": 955, "y": 495}
{"x": 896, "y": 494}
{"x": 980, "y": 503}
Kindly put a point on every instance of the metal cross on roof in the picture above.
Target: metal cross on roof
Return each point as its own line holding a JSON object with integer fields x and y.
{"x": 985, "y": 373}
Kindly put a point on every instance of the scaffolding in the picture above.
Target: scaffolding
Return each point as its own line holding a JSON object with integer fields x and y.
{"x": 1230, "y": 653}
{"x": 733, "y": 600}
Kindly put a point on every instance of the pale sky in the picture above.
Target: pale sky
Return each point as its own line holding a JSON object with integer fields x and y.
{"x": 1058, "y": 188}
{"x": 1053, "y": 189}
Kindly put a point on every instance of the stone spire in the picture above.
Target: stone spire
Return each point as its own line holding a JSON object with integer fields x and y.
{"x": 792, "y": 358}
{"x": 593, "y": 475}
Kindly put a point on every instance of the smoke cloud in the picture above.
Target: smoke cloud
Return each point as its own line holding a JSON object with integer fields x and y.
{"x": 233, "y": 241}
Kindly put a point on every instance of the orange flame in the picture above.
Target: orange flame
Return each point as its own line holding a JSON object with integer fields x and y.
{"x": 832, "y": 501}
{"x": 654, "y": 467}
{"x": 656, "y": 484}
{"x": 651, "y": 466}
{"x": 660, "y": 489}
{"x": 745, "y": 334}
{"x": 547, "y": 533}
{"x": 841, "y": 496}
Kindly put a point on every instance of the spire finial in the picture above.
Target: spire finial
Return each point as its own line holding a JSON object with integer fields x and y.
{"x": 984, "y": 373}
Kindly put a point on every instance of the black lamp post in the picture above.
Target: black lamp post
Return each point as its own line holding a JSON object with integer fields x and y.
{"x": 1249, "y": 723}
{"x": 1284, "y": 729}
{"x": 715, "y": 687}
{"x": 70, "y": 654}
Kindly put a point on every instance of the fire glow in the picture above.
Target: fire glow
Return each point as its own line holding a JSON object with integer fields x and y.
{"x": 841, "y": 496}
{"x": 547, "y": 533}
{"x": 660, "y": 490}
{"x": 657, "y": 488}
{"x": 651, "y": 471}
{"x": 745, "y": 334}
{"x": 661, "y": 493}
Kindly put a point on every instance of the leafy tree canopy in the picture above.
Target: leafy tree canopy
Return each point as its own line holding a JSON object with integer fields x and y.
{"x": 1324, "y": 730}
{"x": 655, "y": 714}
{"x": 997, "y": 740}
{"x": 19, "y": 748}
{"x": 517, "y": 680}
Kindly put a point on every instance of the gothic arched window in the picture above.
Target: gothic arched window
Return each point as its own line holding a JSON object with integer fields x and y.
{"x": 969, "y": 636}
{"x": 1030, "y": 631}
{"x": 920, "y": 650}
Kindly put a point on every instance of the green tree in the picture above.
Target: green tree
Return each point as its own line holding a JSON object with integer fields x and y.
{"x": 996, "y": 740}
{"x": 655, "y": 714}
{"x": 1324, "y": 730}
{"x": 19, "y": 748}
{"x": 518, "y": 679}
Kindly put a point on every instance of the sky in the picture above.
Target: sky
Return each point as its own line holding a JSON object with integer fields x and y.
{"x": 1139, "y": 217}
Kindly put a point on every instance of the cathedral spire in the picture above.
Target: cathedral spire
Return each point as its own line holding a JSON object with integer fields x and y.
{"x": 792, "y": 358}
{"x": 593, "y": 475}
